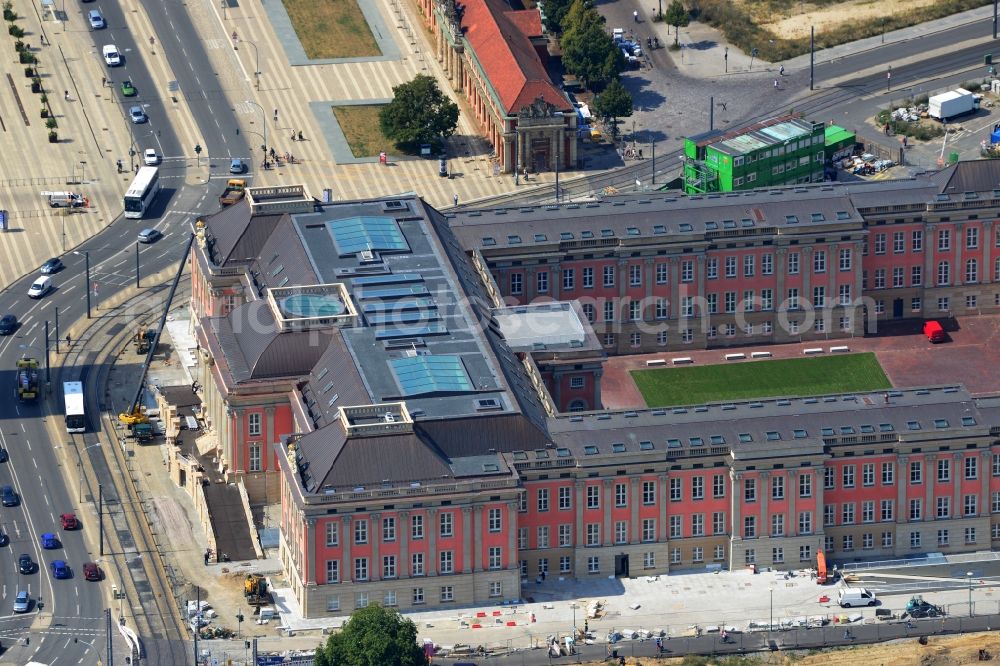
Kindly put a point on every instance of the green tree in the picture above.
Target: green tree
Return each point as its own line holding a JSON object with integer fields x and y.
{"x": 589, "y": 53}
{"x": 418, "y": 113}
{"x": 615, "y": 102}
{"x": 678, "y": 17}
{"x": 373, "y": 636}
{"x": 555, "y": 13}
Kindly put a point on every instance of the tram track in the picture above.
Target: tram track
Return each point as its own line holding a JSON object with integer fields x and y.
{"x": 136, "y": 564}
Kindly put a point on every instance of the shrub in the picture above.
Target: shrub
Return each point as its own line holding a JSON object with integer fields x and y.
{"x": 15, "y": 31}
{"x": 9, "y": 14}
{"x": 51, "y": 123}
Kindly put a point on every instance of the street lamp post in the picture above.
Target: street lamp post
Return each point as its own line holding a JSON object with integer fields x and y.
{"x": 256, "y": 55}
{"x": 79, "y": 463}
{"x": 574, "y": 606}
{"x": 263, "y": 116}
{"x": 968, "y": 574}
{"x": 770, "y": 621}
{"x": 86, "y": 285}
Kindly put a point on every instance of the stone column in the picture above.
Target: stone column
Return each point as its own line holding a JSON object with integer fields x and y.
{"x": 579, "y": 505}
{"x": 608, "y": 499}
{"x": 792, "y": 480}
{"x": 403, "y": 534}
{"x": 736, "y": 497}
{"x": 235, "y": 448}
{"x": 765, "y": 493}
{"x": 902, "y": 478}
{"x": 635, "y": 533}
{"x": 661, "y": 499}
{"x": 347, "y": 538}
{"x": 818, "y": 491}
{"x": 699, "y": 276}
{"x": 675, "y": 288}
{"x": 265, "y": 453}
{"x": 649, "y": 276}
{"x": 477, "y": 527}
{"x": 930, "y": 247}
{"x": 512, "y": 527}
{"x": 432, "y": 532}
{"x": 987, "y": 252}
{"x": 375, "y": 571}
{"x": 985, "y": 472}
{"x": 780, "y": 270}
{"x": 958, "y": 473}
{"x": 806, "y": 269}
{"x": 930, "y": 475}
{"x": 467, "y": 539}
{"x": 555, "y": 280}
{"x": 958, "y": 275}
{"x": 311, "y": 546}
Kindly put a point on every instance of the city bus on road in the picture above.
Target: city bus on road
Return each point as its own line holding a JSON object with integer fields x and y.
{"x": 76, "y": 416}
{"x": 141, "y": 192}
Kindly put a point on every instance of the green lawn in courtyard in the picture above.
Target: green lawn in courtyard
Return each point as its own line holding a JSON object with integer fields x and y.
{"x": 361, "y": 128}
{"x": 759, "y": 379}
{"x": 331, "y": 28}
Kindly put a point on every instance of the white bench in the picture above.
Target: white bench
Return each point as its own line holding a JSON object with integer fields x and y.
{"x": 655, "y": 362}
{"x": 735, "y": 357}
{"x": 841, "y": 348}
{"x": 813, "y": 350}
{"x": 760, "y": 354}
{"x": 683, "y": 360}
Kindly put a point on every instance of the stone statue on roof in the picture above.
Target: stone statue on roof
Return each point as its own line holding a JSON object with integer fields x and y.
{"x": 537, "y": 109}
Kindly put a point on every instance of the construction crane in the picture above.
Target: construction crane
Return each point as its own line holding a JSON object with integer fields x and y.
{"x": 136, "y": 413}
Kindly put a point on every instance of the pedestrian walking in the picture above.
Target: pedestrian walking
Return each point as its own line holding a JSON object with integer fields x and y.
{"x": 293, "y": 135}
{"x": 44, "y": 41}
{"x": 776, "y": 84}
{"x": 635, "y": 15}
{"x": 67, "y": 340}
{"x": 847, "y": 635}
{"x": 300, "y": 136}
{"x": 455, "y": 199}
{"x": 104, "y": 81}
{"x": 66, "y": 95}
{"x": 275, "y": 115}
{"x": 781, "y": 70}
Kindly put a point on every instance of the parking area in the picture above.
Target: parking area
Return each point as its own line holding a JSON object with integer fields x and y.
{"x": 969, "y": 356}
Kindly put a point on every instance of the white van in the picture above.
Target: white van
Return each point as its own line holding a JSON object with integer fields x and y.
{"x": 40, "y": 287}
{"x": 856, "y": 596}
{"x": 65, "y": 199}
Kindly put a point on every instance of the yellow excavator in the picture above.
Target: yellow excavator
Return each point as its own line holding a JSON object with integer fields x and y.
{"x": 137, "y": 415}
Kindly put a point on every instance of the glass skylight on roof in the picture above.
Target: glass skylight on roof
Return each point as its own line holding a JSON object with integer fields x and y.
{"x": 745, "y": 437}
{"x": 968, "y": 421}
{"x": 799, "y": 433}
{"x": 489, "y": 240}
{"x": 586, "y": 234}
{"x": 940, "y": 423}
{"x": 566, "y": 235}
{"x": 913, "y": 425}
{"x": 375, "y": 234}
{"x": 645, "y": 446}
{"x": 419, "y": 375}
{"x": 540, "y": 238}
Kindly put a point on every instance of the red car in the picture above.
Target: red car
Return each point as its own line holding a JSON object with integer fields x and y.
{"x": 91, "y": 571}
{"x": 69, "y": 521}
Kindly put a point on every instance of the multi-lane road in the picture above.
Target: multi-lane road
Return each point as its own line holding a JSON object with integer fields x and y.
{"x": 66, "y": 623}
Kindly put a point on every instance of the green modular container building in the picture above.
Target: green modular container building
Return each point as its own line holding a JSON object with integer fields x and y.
{"x": 777, "y": 151}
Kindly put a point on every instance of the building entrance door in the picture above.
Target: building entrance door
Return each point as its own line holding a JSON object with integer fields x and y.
{"x": 621, "y": 566}
{"x": 897, "y": 308}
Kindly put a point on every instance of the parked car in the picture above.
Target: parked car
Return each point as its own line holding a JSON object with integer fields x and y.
{"x": 149, "y": 236}
{"x": 22, "y": 602}
{"x": 60, "y": 569}
{"x": 25, "y": 564}
{"x": 8, "y": 324}
{"x": 137, "y": 115}
{"x": 8, "y": 497}
{"x": 92, "y": 572}
{"x": 96, "y": 20}
{"x": 53, "y": 265}
{"x": 112, "y": 57}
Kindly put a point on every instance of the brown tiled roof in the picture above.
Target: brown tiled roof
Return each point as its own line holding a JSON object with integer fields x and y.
{"x": 507, "y": 56}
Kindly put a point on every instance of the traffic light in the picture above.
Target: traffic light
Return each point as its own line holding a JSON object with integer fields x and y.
{"x": 197, "y": 149}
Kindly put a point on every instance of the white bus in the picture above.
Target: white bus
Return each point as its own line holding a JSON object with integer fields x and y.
{"x": 76, "y": 417}
{"x": 141, "y": 192}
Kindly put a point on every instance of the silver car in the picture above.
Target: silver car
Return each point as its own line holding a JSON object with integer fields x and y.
{"x": 22, "y": 602}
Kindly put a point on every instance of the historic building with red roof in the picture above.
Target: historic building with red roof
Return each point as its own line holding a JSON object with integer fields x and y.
{"x": 496, "y": 57}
